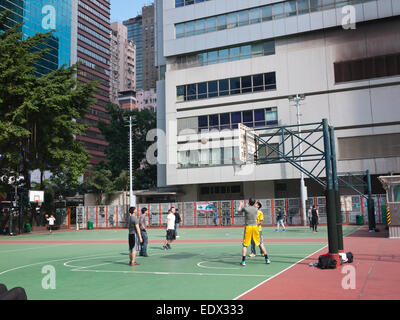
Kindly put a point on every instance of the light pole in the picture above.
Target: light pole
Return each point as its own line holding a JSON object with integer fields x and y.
{"x": 303, "y": 190}
{"x": 132, "y": 202}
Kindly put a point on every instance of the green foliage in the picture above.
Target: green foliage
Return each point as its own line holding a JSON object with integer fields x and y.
{"x": 99, "y": 182}
{"x": 39, "y": 116}
{"x": 116, "y": 133}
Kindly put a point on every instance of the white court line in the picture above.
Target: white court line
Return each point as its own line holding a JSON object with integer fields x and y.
{"x": 279, "y": 273}
{"x": 36, "y": 248}
{"x": 39, "y": 263}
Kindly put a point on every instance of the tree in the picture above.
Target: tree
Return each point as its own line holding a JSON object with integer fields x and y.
{"x": 99, "y": 182}
{"x": 39, "y": 114}
{"x": 116, "y": 133}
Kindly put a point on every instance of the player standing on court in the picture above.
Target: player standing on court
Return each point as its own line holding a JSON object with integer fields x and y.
{"x": 251, "y": 230}
{"x": 260, "y": 219}
{"x": 170, "y": 230}
{"x": 135, "y": 237}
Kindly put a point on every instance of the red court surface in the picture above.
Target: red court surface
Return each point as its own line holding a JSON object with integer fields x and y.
{"x": 376, "y": 270}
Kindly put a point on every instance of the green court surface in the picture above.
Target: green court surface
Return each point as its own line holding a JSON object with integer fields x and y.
{"x": 203, "y": 264}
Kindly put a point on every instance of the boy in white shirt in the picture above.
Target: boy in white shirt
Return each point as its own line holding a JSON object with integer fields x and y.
{"x": 51, "y": 222}
{"x": 170, "y": 230}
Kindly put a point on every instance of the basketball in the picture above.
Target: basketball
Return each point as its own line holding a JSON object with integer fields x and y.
{"x": 204, "y": 140}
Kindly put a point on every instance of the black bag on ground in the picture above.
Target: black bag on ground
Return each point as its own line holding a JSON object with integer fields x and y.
{"x": 350, "y": 257}
{"x": 325, "y": 262}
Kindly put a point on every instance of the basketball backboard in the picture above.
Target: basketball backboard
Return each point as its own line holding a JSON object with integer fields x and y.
{"x": 36, "y": 196}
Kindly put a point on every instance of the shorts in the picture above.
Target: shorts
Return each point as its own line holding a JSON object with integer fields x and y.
{"x": 251, "y": 233}
{"x": 134, "y": 244}
{"x": 171, "y": 234}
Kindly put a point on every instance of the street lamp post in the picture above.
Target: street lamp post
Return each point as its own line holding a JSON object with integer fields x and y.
{"x": 303, "y": 190}
{"x": 132, "y": 202}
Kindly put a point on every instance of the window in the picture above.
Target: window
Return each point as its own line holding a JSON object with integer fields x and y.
{"x": 258, "y": 82}
{"x": 179, "y": 3}
{"x": 188, "y": 2}
{"x": 234, "y": 54}
{"x": 302, "y": 6}
{"x": 189, "y": 28}
{"x": 221, "y": 22}
{"x": 203, "y": 122}
{"x": 266, "y": 13}
{"x": 236, "y": 119}
{"x": 243, "y": 18}
{"x": 270, "y": 81}
{"x": 212, "y": 89}
{"x": 246, "y": 84}
{"x": 232, "y": 20}
{"x": 211, "y": 24}
{"x": 271, "y": 116}
{"x": 257, "y": 49}
{"x": 255, "y": 15}
{"x": 225, "y": 121}
{"x": 223, "y": 55}
{"x": 259, "y": 118}
{"x": 234, "y": 86}
{"x": 212, "y": 57}
{"x": 202, "y": 90}
{"x": 290, "y": 8}
{"x": 191, "y": 92}
{"x": 200, "y": 26}
{"x": 248, "y": 118}
{"x": 316, "y": 5}
{"x": 278, "y": 10}
{"x": 223, "y": 87}
{"x": 214, "y": 121}
{"x": 180, "y": 93}
{"x": 245, "y": 52}
{"x": 269, "y": 48}
{"x": 329, "y": 4}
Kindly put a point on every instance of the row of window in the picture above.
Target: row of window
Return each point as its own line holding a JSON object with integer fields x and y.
{"x": 221, "y": 156}
{"x": 182, "y": 3}
{"x": 93, "y": 66}
{"x": 93, "y": 33}
{"x": 94, "y": 22}
{"x": 93, "y": 55}
{"x": 222, "y": 55}
{"x": 93, "y": 44}
{"x": 95, "y": 12}
{"x": 99, "y": 4}
{"x": 231, "y": 120}
{"x": 367, "y": 68}
{"x": 225, "y": 87}
{"x": 257, "y": 15}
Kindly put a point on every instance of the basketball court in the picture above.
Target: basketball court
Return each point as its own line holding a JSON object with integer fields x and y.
{"x": 202, "y": 264}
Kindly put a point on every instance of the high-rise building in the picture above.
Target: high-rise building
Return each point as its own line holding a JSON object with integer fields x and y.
{"x": 135, "y": 34}
{"x": 44, "y": 16}
{"x": 81, "y": 33}
{"x": 123, "y": 64}
{"x": 141, "y": 30}
{"x": 149, "y": 70}
{"x": 93, "y": 51}
{"x": 230, "y": 62}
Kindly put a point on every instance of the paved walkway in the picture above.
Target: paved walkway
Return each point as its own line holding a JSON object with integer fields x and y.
{"x": 375, "y": 268}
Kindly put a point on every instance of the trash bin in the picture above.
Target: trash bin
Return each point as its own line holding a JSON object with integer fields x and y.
{"x": 90, "y": 225}
{"x": 359, "y": 219}
{"x": 27, "y": 227}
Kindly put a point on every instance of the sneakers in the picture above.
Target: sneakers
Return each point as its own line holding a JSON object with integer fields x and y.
{"x": 134, "y": 264}
{"x": 276, "y": 230}
{"x": 283, "y": 230}
{"x": 252, "y": 255}
{"x": 267, "y": 261}
{"x": 243, "y": 263}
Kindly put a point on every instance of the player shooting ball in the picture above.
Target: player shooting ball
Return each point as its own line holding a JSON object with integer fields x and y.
{"x": 251, "y": 230}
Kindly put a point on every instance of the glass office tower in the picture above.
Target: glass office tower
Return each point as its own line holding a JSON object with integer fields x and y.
{"x": 44, "y": 16}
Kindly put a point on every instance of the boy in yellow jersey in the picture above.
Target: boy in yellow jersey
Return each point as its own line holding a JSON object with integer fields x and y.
{"x": 260, "y": 219}
{"x": 251, "y": 230}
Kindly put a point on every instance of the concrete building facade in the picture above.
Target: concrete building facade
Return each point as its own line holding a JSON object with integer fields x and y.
{"x": 123, "y": 62}
{"x": 228, "y": 62}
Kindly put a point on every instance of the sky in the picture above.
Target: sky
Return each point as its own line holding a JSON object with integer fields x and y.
{"x": 122, "y": 10}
